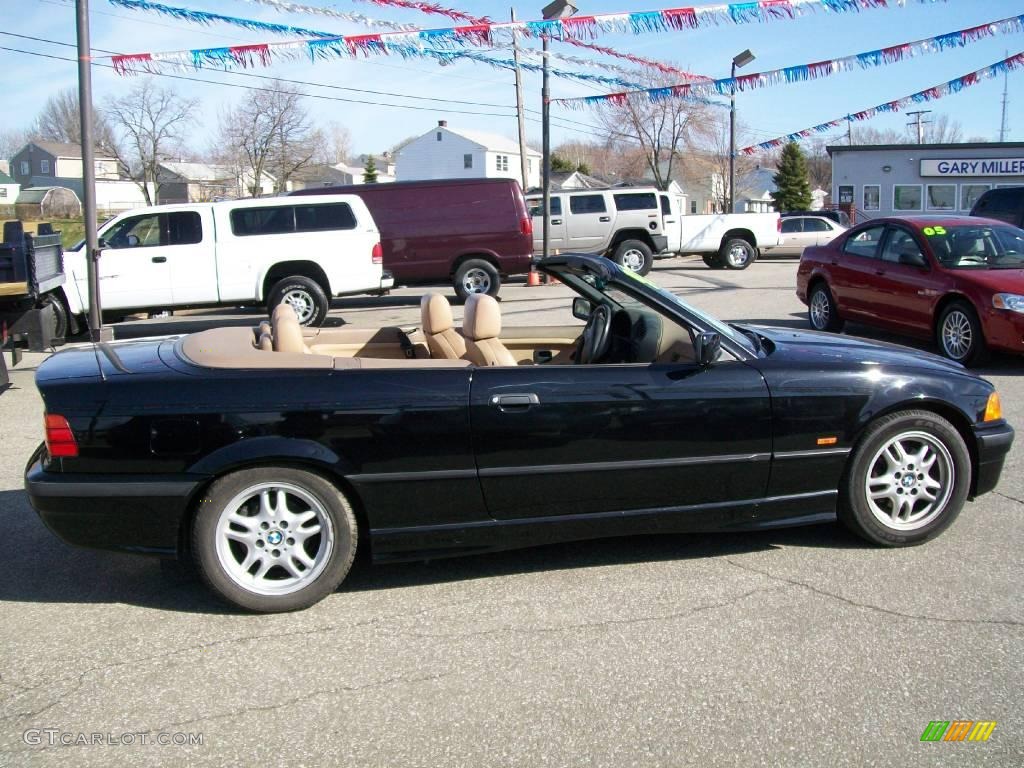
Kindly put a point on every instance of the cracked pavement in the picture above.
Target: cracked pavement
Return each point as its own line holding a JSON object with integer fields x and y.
{"x": 800, "y": 647}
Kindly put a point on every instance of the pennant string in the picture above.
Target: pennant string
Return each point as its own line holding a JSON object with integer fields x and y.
{"x": 1010, "y": 64}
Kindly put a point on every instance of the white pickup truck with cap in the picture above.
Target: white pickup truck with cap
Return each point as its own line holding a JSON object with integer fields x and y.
{"x": 259, "y": 252}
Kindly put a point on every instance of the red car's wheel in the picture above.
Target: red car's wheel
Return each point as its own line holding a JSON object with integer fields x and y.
{"x": 822, "y": 311}
{"x": 960, "y": 335}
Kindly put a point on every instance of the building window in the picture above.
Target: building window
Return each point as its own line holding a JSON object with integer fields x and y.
{"x": 906, "y": 197}
{"x": 467, "y": 161}
{"x": 3, "y": 191}
{"x": 44, "y": 167}
{"x": 942, "y": 197}
{"x": 969, "y": 194}
{"x": 693, "y": 206}
{"x": 502, "y": 162}
{"x": 26, "y": 169}
{"x": 438, "y": 135}
{"x": 872, "y": 197}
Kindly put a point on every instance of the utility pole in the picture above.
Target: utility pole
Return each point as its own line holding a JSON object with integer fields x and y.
{"x": 524, "y": 162}
{"x": 849, "y": 131}
{"x": 919, "y": 123}
{"x": 1004, "y": 126}
{"x": 92, "y": 246}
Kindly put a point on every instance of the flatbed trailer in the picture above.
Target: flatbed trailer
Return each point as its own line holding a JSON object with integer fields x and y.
{"x": 31, "y": 300}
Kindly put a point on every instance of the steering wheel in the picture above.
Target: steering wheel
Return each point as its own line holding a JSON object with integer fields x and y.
{"x": 596, "y": 336}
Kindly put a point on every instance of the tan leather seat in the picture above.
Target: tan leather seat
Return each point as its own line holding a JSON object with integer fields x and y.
{"x": 287, "y": 333}
{"x": 481, "y": 326}
{"x": 443, "y": 341}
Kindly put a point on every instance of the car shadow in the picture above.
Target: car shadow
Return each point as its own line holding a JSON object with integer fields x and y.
{"x": 43, "y": 569}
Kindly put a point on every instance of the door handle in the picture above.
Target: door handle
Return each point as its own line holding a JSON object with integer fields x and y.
{"x": 159, "y": 259}
{"x": 556, "y": 221}
{"x": 517, "y": 402}
{"x": 605, "y": 218}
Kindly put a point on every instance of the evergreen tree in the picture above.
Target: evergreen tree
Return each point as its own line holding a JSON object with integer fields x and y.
{"x": 793, "y": 189}
{"x": 560, "y": 165}
{"x": 370, "y": 171}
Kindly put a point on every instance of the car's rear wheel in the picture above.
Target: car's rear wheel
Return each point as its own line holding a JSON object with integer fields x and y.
{"x": 713, "y": 261}
{"x": 737, "y": 253}
{"x": 960, "y": 336}
{"x": 822, "y": 311}
{"x": 306, "y": 297}
{"x": 476, "y": 276}
{"x": 907, "y": 480}
{"x": 635, "y": 256}
{"x": 274, "y": 539}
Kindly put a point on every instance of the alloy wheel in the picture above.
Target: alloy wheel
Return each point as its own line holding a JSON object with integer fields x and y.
{"x": 476, "y": 281}
{"x": 274, "y": 538}
{"x": 957, "y": 335}
{"x": 821, "y": 312}
{"x": 910, "y": 481}
{"x": 633, "y": 260}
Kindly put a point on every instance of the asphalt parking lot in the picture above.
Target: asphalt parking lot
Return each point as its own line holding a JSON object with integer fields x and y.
{"x": 800, "y": 647}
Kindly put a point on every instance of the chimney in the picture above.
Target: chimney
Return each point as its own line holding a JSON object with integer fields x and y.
{"x": 442, "y": 123}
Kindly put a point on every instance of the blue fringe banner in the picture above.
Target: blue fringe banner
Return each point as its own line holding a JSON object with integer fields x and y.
{"x": 1010, "y": 64}
{"x": 819, "y": 69}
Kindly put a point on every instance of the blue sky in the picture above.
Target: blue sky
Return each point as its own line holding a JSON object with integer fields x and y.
{"x": 28, "y": 81}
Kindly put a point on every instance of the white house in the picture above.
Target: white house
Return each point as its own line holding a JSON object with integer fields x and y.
{"x": 9, "y": 189}
{"x": 448, "y": 153}
{"x": 202, "y": 182}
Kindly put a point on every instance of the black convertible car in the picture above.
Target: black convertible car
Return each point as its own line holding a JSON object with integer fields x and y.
{"x": 267, "y": 454}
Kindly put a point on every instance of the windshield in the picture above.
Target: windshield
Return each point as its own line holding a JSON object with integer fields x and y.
{"x": 977, "y": 246}
{"x": 713, "y": 323}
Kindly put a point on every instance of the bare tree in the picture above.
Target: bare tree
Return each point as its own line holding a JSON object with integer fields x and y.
{"x": 270, "y": 132}
{"x": 710, "y": 157}
{"x": 943, "y": 130}
{"x": 11, "y": 140}
{"x": 819, "y": 164}
{"x": 940, "y": 130}
{"x": 152, "y": 121}
{"x": 663, "y": 129}
{"x": 336, "y": 146}
{"x": 60, "y": 121}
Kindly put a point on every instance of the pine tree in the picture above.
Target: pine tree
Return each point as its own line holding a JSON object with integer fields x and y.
{"x": 560, "y": 165}
{"x": 793, "y": 189}
{"x": 370, "y": 171}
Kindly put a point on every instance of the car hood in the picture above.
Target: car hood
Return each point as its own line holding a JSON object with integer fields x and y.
{"x": 815, "y": 348}
{"x": 994, "y": 280}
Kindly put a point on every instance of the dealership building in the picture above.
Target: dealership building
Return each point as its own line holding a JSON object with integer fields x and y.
{"x": 908, "y": 179}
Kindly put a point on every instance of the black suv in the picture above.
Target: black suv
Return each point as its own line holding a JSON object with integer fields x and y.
{"x": 1005, "y": 204}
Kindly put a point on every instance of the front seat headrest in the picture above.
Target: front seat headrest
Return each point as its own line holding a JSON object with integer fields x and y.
{"x": 483, "y": 317}
{"x": 436, "y": 314}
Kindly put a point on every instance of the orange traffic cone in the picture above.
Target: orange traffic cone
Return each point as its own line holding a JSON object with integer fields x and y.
{"x": 533, "y": 279}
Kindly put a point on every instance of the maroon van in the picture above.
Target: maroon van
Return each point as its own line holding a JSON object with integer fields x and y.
{"x": 469, "y": 232}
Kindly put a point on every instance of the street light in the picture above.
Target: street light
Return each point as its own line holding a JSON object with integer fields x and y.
{"x": 739, "y": 60}
{"x": 559, "y": 9}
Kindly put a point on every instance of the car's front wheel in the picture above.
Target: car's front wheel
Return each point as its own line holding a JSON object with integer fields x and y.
{"x": 273, "y": 539}
{"x": 960, "y": 335}
{"x": 906, "y": 481}
{"x": 821, "y": 310}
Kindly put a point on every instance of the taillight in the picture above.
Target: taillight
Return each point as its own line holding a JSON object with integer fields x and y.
{"x": 526, "y": 225}
{"x": 60, "y": 440}
{"x": 378, "y": 254}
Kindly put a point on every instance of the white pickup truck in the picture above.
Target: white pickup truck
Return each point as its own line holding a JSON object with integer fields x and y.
{"x": 241, "y": 252}
{"x": 724, "y": 240}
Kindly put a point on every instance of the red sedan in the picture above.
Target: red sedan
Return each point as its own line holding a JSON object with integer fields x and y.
{"x": 956, "y": 279}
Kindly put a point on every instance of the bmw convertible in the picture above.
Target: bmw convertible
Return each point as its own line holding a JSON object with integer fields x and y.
{"x": 266, "y": 456}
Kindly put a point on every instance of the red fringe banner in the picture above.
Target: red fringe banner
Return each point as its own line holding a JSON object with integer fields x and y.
{"x": 123, "y": 64}
{"x": 779, "y": 9}
{"x": 680, "y": 18}
{"x": 246, "y": 55}
{"x": 580, "y": 27}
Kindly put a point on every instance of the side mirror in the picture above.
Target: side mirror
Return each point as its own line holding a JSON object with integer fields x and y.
{"x": 912, "y": 257}
{"x": 708, "y": 347}
{"x": 581, "y": 309}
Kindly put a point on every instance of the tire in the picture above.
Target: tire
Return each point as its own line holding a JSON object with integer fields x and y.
{"x": 822, "y": 313}
{"x": 882, "y": 516}
{"x": 476, "y": 276}
{"x": 960, "y": 336}
{"x": 713, "y": 261}
{"x": 634, "y": 255}
{"x": 61, "y": 316}
{"x": 223, "y": 542}
{"x": 737, "y": 253}
{"x": 305, "y": 295}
